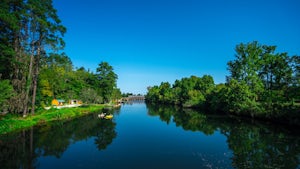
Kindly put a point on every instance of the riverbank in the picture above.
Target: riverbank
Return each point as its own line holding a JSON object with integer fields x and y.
{"x": 287, "y": 115}
{"x": 10, "y": 123}
{"x": 64, "y": 106}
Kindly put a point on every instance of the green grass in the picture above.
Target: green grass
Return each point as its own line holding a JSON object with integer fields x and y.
{"x": 10, "y": 122}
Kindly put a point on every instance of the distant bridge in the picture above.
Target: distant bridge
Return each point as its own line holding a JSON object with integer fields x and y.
{"x": 133, "y": 98}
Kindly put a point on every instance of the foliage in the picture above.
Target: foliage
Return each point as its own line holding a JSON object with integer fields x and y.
{"x": 89, "y": 95}
{"x": 238, "y": 98}
{"x": 116, "y": 94}
{"x": 29, "y": 29}
{"x": 187, "y": 92}
{"x": 6, "y": 92}
{"x": 263, "y": 70}
{"x": 11, "y": 123}
{"x": 262, "y": 83}
{"x": 31, "y": 40}
{"x": 59, "y": 80}
{"x": 106, "y": 80}
{"x": 270, "y": 76}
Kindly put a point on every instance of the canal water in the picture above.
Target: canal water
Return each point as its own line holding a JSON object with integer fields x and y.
{"x": 141, "y": 136}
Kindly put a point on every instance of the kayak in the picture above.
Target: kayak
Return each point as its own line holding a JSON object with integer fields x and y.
{"x": 110, "y": 116}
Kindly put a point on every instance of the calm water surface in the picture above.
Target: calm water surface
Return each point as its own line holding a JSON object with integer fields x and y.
{"x": 151, "y": 137}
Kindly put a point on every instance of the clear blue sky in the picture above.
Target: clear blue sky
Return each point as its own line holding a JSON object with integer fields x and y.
{"x": 150, "y": 41}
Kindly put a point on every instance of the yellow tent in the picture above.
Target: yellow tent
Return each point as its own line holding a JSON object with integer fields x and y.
{"x": 54, "y": 102}
{"x": 57, "y": 102}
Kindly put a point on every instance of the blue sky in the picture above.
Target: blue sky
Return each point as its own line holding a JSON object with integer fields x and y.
{"x": 150, "y": 41}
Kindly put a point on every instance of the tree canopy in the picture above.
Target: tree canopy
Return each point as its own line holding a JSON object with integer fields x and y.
{"x": 262, "y": 83}
{"x": 107, "y": 80}
{"x": 33, "y": 68}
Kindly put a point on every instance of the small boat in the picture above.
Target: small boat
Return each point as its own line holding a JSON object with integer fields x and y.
{"x": 110, "y": 116}
{"x": 102, "y": 115}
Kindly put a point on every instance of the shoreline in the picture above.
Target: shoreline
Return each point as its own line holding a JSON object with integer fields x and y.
{"x": 291, "y": 119}
{"x": 12, "y": 123}
{"x": 64, "y": 106}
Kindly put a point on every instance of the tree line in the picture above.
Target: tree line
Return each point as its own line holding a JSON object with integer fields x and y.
{"x": 262, "y": 83}
{"x": 33, "y": 68}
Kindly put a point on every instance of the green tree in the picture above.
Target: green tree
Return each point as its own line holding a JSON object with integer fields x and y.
{"x": 6, "y": 92}
{"x": 12, "y": 50}
{"x": 238, "y": 98}
{"x": 44, "y": 30}
{"x": 187, "y": 92}
{"x": 247, "y": 64}
{"x": 192, "y": 91}
{"x": 152, "y": 94}
{"x": 276, "y": 75}
{"x": 54, "y": 77}
{"x": 205, "y": 84}
{"x": 268, "y": 74}
{"x": 116, "y": 94}
{"x": 29, "y": 29}
{"x": 195, "y": 98}
{"x": 10, "y": 13}
{"x": 107, "y": 80}
{"x": 165, "y": 93}
{"x": 215, "y": 100}
{"x": 89, "y": 95}
{"x": 186, "y": 85}
{"x": 293, "y": 92}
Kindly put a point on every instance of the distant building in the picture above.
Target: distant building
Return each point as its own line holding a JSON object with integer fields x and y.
{"x": 73, "y": 101}
{"x": 57, "y": 102}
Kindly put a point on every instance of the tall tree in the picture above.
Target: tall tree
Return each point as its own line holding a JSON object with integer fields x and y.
{"x": 28, "y": 29}
{"x": 247, "y": 64}
{"x": 107, "y": 80}
{"x": 45, "y": 31}
{"x": 267, "y": 73}
{"x": 9, "y": 28}
{"x": 13, "y": 20}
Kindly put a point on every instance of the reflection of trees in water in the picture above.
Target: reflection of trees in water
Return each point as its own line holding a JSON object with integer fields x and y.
{"x": 20, "y": 150}
{"x": 16, "y": 151}
{"x": 165, "y": 114}
{"x": 254, "y": 145}
{"x": 187, "y": 118}
{"x": 260, "y": 147}
{"x": 105, "y": 134}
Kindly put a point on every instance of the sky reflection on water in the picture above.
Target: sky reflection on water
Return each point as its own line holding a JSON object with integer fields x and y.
{"x": 143, "y": 136}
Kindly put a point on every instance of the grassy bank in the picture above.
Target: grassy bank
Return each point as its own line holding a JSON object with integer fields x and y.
{"x": 9, "y": 122}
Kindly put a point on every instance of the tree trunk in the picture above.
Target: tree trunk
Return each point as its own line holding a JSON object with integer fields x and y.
{"x": 28, "y": 83}
{"x": 18, "y": 77}
{"x": 35, "y": 80}
{"x": 34, "y": 93}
